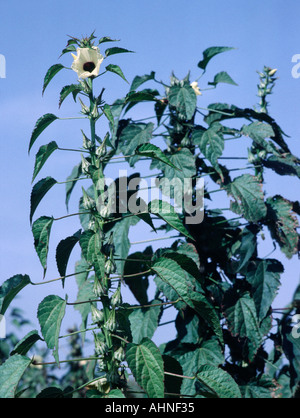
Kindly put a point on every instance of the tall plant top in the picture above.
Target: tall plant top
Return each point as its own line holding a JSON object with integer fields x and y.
{"x": 214, "y": 276}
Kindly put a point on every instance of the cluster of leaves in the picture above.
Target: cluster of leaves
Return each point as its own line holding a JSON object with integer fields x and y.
{"x": 213, "y": 275}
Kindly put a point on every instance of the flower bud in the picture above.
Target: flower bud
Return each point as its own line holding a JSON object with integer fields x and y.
{"x": 98, "y": 288}
{"x": 272, "y": 72}
{"x": 119, "y": 354}
{"x": 101, "y": 150}
{"x": 105, "y": 211}
{"x": 84, "y": 109}
{"x": 87, "y": 143}
{"x": 95, "y": 112}
{"x": 97, "y": 315}
{"x": 111, "y": 323}
{"x": 110, "y": 266}
{"x": 88, "y": 203}
{"x": 85, "y": 165}
{"x": 100, "y": 345}
{"x": 116, "y": 298}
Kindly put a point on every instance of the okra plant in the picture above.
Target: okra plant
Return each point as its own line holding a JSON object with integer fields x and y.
{"x": 230, "y": 341}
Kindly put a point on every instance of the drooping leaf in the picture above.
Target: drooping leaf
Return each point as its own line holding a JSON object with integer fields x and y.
{"x": 211, "y": 145}
{"x": 249, "y": 198}
{"x": 243, "y": 321}
{"x": 10, "y": 288}
{"x": 222, "y": 77}
{"x": 42, "y": 123}
{"x": 115, "y": 50}
{"x": 211, "y": 52}
{"x": 90, "y": 243}
{"x": 152, "y": 151}
{"x": 71, "y": 181}
{"x": 63, "y": 252}
{"x": 246, "y": 249}
{"x": 138, "y": 262}
{"x": 72, "y": 88}
{"x": 282, "y": 223}
{"x": 132, "y": 136}
{"x": 23, "y": 346}
{"x": 172, "y": 383}
{"x": 147, "y": 366}
{"x": 139, "y": 80}
{"x": 117, "y": 70}
{"x": 53, "y": 70}
{"x": 209, "y": 353}
{"x": 144, "y": 321}
{"x": 259, "y": 131}
{"x": 183, "y": 98}
{"x": 51, "y": 312}
{"x": 121, "y": 241}
{"x": 264, "y": 276}
{"x": 286, "y": 165}
{"x": 11, "y": 373}
{"x": 167, "y": 213}
{"x": 42, "y": 156}
{"x": 41, "y": 230}
{"x": 213, "y": 382}
{"x": 38, "y": 192}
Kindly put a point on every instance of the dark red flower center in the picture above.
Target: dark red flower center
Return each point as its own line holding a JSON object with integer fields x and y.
{"x": 89, "y": 66}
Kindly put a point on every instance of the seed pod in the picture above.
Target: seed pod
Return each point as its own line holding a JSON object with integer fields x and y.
{"x": 98, "y": 289}
{"x": 110, "y": 266}
{"x": 119, "y": 354}
{"x": 116, "y": 298}
{"x": 85, "y": 165}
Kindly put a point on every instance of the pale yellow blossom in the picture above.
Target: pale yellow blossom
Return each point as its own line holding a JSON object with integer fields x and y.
{"x": 87, "y": 62}
{"x": 196, "y": 89}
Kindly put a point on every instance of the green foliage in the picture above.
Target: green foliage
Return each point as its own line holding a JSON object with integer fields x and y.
{"x": 219, "y": 286}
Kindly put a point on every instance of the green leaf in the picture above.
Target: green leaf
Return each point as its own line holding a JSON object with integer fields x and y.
{"x": 63, "y": 252}
{"x": 132, "y": 136}
{"x": 115, "y": 50}
{"x": 152, "y": 151}
{"x": 147, "y": 366}
{"x": 117, "y": 70}
{"x": 121, "y": 241}
{"x": 222, "y": 77}
{"x": 249, "y": 197}
{"x": 72, "y": 88}
{"x": 42, "y": 123}
{"x": 211, "y": 52}
{"x": 287, "y": 165}
{"x": 260, "y": 388}
{"x": 213, "y": 382}
{"x": 264, "y": 277}
{"x": 108, "y": 114}
{"x": 183, "y": 98}
{"x": 212, "y": 146}
{"x": 106, "y": 39}
{"x": 282, "y": 223}
{"x": 53, "y": 70}
{"x": 41, "y": 229}
{"x": 42, "y": 156}
{"x": 258, "y": 131}
{"x": 26, "y": 343}
{"x": 71, "y": 181}
{"x": 51, "y": 312}
{"x": 167, "y": 213}
{"x": 11, "y": 373}
{"x": 247, "y": 248}
{"x": 90, "y": 243}
{"x": 38, "y": 192}
{"x": 138, "y": 263}
{"x": 139, "y": 80}
{"x": 10, "y": 288}
{"x": 144, "y": 321}
{"x": 243, "y": 322}
{"x": 209, "y": 353}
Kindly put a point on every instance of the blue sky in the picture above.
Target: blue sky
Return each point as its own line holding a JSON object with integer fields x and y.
{"x": 166, "y": 36}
